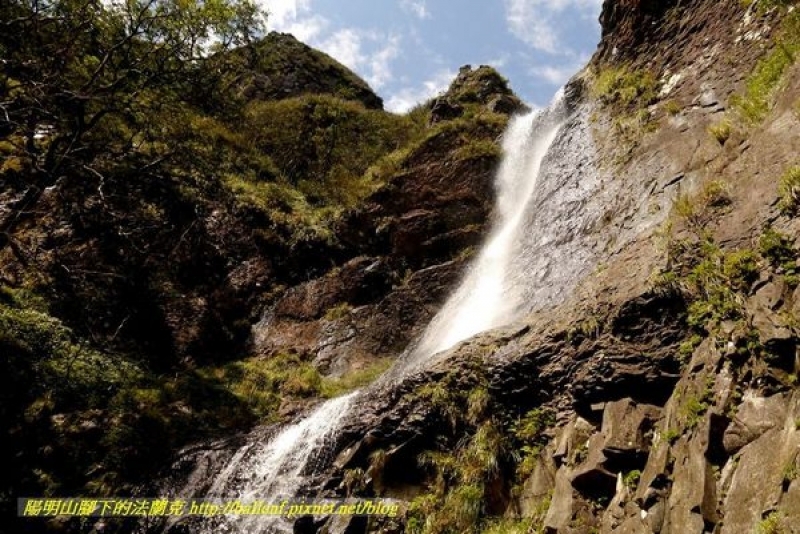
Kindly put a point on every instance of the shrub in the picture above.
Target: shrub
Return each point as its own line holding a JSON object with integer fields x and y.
{"x": 631, "y": 479}
{"x": 693, "y": 411}
{"x": 789, "y": 191}
{"x": 772, "y": 524}
{"x": 672, "y": 107}
{"x": 740, "y": 268}
{"x": 715, "y": 193}
{"x": 778, "y": 249}
{"x": 720, "y": 131}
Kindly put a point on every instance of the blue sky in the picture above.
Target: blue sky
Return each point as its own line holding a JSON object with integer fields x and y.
{"x": 410, "y": 50}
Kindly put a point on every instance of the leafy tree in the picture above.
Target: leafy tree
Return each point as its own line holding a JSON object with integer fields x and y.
{"x": 82, "y": 82}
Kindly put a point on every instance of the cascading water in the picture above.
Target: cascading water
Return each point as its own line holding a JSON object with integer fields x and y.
{"x": 273, "y": 471}
{"x": 487, "y": 297}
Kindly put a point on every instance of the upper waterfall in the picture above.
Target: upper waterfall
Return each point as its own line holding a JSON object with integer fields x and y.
{"x": 486, "y": 298}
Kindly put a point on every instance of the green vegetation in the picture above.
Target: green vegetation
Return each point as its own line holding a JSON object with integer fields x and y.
{"x": 631, "y": 478}
{"x": 66, "y": 391}
{"x": 768, "y": 74}
{"x": 528, "y": 525}
{"x": 627, "y": 93}
{"x": 686, "y": 349}
{"x": 529, "y": 432}
{"x": 589, "y": 328}
{"x": 334, "y": 387}
{"x": 778, "y": 249}
{"x": 789, "y": 191}
{"x": 534, "y": 524}
{"x": 485, "y": 448}
{"x": 693, "y": 410}
{"x": 626, "y": 88}
{"x": 262, "y": 383}
{"x": 713, "y": 281}
{"x": 791, "y": 472}
{"x": 720, "y": 131}
{"x": 170, "y": 160}
{"x": 670, "y": 435}
{"x": 772, "y": 524}
{"x": 456, "y": 502}
{"x": 340, "y": 311}
{"x": 672, "y": 107}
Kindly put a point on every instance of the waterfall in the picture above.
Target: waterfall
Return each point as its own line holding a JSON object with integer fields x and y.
{"x": 274, "y": 470}
{"x": 486, "y": 298}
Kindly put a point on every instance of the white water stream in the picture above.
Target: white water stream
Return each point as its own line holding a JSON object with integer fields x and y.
{"x": 485, "y": 299}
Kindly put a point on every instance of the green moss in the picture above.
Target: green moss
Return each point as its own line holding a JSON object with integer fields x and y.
{"x": 672, "y": 107}
{"x": 631, "y": 478}
{"x": 693, "y": 410}
{"x": 670, "y": 435}
{"x": 340, "y": 311}
{"x": 263, "y": 383}
{"x": 334, "y": 387}
{"x": 778, "y": 249}
{"x": 686, "y": 349}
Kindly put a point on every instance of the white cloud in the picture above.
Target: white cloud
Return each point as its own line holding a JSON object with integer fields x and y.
{"x": 281, "y": 12}
{"x": 555, "y": 75}
{"x": 368, "y": 52}
{"x": 498, "y": 62}
{"x": 347, "y": 46}
{"x": 534, "y": 21}
{"x": 295, "y": 17}
{"x": 406, "y": 98}
{"x": 417, "y": 8}
{"x": 380, "y": 72}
